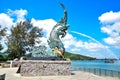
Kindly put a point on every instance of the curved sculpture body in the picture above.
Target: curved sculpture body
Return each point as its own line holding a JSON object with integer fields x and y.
{"x": 58, "y": 32}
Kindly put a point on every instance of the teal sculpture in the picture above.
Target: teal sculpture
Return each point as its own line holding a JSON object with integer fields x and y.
{"x": 58, "y": 32}
{"x": 54, "y": 41}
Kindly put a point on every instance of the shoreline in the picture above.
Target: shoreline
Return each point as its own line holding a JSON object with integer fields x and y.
{"x": 78, "y": 75}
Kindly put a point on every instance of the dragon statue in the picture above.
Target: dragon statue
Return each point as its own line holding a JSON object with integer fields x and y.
{"x": 58, "y": 32}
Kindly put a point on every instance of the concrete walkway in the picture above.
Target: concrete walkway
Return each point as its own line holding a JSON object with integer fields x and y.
{"x": 12, "y": 75}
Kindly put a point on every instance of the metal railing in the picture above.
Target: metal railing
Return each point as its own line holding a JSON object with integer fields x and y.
{"x": 97, "y": 71}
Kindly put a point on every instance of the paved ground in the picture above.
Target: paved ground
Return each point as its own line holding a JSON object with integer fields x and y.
{"x": 12, "y": 75}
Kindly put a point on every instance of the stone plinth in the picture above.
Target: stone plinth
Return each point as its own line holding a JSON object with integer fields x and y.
{"x": 44, "y": 68}
{"x": 16, "y": 63}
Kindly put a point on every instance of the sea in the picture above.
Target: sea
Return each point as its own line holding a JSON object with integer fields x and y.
{"x": 100, "y": 64}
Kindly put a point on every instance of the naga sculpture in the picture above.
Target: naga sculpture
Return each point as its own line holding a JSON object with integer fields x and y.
{"x": 58, "y": 32}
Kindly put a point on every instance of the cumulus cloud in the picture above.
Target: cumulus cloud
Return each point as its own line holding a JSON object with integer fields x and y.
{"x": 20, "y": 14}
{"x": 86, "y": 36}
{"x": 111, "y": 21}
{"x": 5, "y": 20}
{"x": 94, "y": 46}
{"x": 109, "y": 17}
{"x": 71, "y": 43}
{"x": 46, "y": 25}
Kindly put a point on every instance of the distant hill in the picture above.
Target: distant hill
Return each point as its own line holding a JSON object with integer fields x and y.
{"x": 77, "y": 56}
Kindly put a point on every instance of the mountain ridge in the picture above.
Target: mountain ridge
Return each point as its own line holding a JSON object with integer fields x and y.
{"x": 73, "y": 56}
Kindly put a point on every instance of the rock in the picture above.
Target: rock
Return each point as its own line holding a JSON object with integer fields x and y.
{"x": 2, "y": 77}
{"x": 44, "y": 68}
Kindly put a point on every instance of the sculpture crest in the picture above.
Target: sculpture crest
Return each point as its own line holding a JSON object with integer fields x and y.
{"x": 58, "y": 32}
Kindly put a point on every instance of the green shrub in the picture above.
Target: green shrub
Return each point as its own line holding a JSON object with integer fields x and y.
{"x": 2, "y": 58}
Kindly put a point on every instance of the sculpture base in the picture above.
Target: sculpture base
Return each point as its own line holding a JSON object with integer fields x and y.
{"x": 45, "y": 58}
{"x": 44, "y": 68}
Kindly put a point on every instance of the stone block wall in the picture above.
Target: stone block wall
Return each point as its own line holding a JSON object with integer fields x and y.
{"x": 16, "y": 63}
{"x": 44, "y": 68}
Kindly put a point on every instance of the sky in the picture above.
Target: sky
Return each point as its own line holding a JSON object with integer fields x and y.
{"x": 94, "y": 24}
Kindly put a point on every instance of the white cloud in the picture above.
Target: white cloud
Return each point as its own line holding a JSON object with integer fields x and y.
{"x": 111, "y": 21}
{"x": 20, "y": 14}
{"x": 5, "y": 20}
{"x": 77, "y": 45}
{"x": 71, "y": 43}
{"x": 93, "y": 46}
{"x": 46, "y": 25}
{"x": 113, "y": 41}
{"x": 2, "y": 41}
{"x": 69, "y": 40}
{"x": 109, "y": 17}
{"x": 86, "y": 36}
{"x": 90, "y": 45}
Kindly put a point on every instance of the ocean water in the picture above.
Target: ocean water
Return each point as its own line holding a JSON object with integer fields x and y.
{"x": 96, "y": 64}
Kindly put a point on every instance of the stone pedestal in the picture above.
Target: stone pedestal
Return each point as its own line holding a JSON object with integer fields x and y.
{"x": 44, "y": 68}
{"x": 15, "y": 63}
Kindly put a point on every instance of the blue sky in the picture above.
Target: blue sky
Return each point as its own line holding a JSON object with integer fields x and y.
{"x": 94, "y": 25}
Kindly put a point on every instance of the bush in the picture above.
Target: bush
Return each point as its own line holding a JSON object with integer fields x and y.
{"x": 2, "y": 58}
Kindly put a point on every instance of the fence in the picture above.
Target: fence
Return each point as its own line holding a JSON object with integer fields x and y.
{"x": 97, "y": 71}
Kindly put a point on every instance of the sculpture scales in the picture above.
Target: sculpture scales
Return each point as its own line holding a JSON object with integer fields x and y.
{"x": 58, "y": 32}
